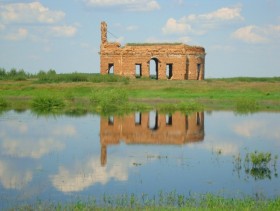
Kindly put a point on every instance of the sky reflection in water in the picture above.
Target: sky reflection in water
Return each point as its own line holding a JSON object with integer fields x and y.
{"x": 60, "y": 158}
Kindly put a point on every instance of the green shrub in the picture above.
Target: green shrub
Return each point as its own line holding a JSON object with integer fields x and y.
{"x": 3, "y": 102}
{"x": 47, "y": 103}
{"x": 109, "y": 100}
{"x": 246, "y": 106}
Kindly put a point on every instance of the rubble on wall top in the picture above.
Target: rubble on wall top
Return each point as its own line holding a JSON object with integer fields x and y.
{"x": 149, "y": 44}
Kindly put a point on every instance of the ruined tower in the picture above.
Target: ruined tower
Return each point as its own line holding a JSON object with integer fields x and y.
{"x": 173, "y": 61}
{"x": 103, "y": 32}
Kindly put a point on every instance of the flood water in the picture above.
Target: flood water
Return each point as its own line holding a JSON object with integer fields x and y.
{"x": 65, "y": 158}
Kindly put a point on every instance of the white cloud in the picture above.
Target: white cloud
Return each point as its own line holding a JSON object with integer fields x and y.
{"x": 19, "y": 34}
{"x": 63, "y": 31}
{"x": 33, "y": 12}
{"x": 249, "y": 34}
{"x": 129, "y": 5}
{"x": 223, "y": 14}
{"x": 172, "y": 26}
{"x": 201, "y": 23}
{"x": 85, "y": 174}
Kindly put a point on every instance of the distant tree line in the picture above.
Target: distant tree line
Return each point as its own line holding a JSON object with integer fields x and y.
{"x": 21, "y": 74}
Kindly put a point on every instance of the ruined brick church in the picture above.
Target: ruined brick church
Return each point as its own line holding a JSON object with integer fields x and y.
{"x": 171, "y": 61}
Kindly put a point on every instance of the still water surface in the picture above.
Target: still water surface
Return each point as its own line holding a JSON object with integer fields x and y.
{"x": 64, "y": 158}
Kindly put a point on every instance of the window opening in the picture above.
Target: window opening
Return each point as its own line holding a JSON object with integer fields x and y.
{"x": 111, "y": 120}
{"x": 198, "y": 119}
{"x": 138, "y": 118}
{"x": 198, "y": 71}
{"x": 138, "y": 70}
{"x": 168, "y": 119}
{"x": 169, "y": 71}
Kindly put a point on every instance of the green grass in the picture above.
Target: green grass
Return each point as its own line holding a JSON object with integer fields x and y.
{"x": 243, "y": 95}
{"x": 162, "y": 201}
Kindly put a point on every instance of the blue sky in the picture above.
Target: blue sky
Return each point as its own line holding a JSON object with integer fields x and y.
{"x": 241, "y": 38}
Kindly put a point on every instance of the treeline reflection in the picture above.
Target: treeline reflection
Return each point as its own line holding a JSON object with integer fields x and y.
{"x": 150, "y": 128}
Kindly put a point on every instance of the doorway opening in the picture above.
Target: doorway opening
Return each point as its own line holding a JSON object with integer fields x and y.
{"x": 198, "y": 70}
{"x": 169, "y": 71}
{"x": 111, "y": 68}
{"x": 154, "y": 68}
{"x": 153, "y": 120}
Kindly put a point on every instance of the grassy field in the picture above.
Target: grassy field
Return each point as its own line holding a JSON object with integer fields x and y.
{"x": 94, "y": 92}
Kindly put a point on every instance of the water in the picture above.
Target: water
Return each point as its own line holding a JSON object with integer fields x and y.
{"x": 64, "y": 158}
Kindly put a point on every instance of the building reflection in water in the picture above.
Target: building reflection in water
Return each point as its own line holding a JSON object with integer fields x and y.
{"x": 150, "y": 128}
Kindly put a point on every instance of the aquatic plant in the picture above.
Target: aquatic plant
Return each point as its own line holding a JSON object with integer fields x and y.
{"x": 260, "y": 159}
{"x": 256, "y": 164}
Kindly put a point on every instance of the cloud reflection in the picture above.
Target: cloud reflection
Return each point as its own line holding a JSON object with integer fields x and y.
{"x": 13, "y": 177}
{"x": 85, "y": 174}
{"x": 15, "y": 140}
{"x": 29, "y": 148}
{"x": 253, "y": 128}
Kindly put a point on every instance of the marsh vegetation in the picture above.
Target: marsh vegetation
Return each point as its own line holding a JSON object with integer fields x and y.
{"x": 244, "y": 95}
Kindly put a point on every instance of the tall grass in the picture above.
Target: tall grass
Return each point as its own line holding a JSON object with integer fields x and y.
{"x": 244, "y": 106}
{"x": 47, "y": 104}
{"x": 109, "y": 100}
{"x": 3, "y": 103}
{"x": 52, "y": 77}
